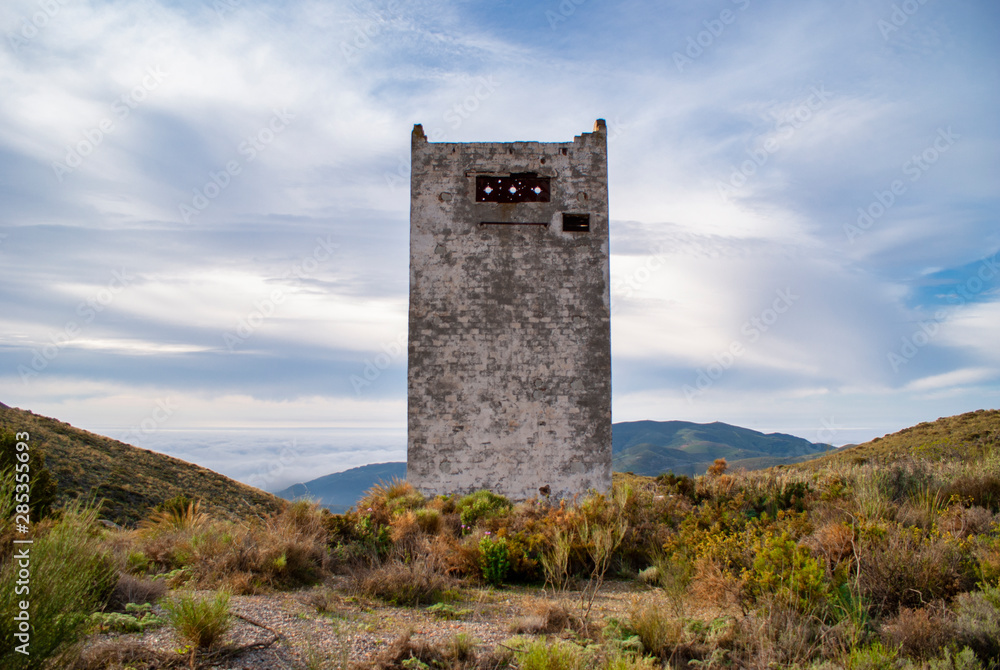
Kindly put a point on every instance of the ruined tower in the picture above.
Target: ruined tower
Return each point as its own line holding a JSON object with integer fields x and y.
{"x": 509, "y": 380}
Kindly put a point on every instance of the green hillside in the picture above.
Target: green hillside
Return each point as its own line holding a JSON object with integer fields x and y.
{"x": 966, "y": 437}
{"x": 653, "y": 447}
{"x": 130, "y": 480}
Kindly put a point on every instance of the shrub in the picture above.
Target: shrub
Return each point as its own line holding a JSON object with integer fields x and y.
{"x": 546, "y": 617}
{"x": 135, "y": 619}
{"x": 493, "y": 559}
{"x": 682, "y": 485}
{"x": 555, "y": 560}
{"x": 447, "y": 612}
{"x": 387, "y": 499}
{"x": 982, "y": 490}
{"x": 785, "y": 571}
{"x": 410, "y": 584}
{"x": 977, "y": 621}
{"x": 284, "y": 550}
{"x": 658, "y": 631}
{"x": 873, "y": 657}
{"x": 429, "y": 520}
{"x": 919, "y": 633}
{"x": 620, "y": 660}
{"x": 408, "y": 538}
{"x": 555, "y": 655}
{"x": 200, "y": 622}
{"x": 903, "y": 567}
{"x": 176, "y": 514}
{"x": 963, "y": 660}
{"x": 71, "y": 577}
{"x": 481, "y": 506}
{"x": 778, "y": 635}
{"x": 871, "y": 494}
{"x": 130, "y": 590}
{"x": 718, "y": 468}
{"x": 454, "y": 653}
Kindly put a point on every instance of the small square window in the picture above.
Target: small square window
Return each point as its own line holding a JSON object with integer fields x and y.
{"x": 576, "y": 223}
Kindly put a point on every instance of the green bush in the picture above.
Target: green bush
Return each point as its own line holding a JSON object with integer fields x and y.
{"x": 135, "y": 619}
{"x": 785, "y": 570}
{"x": 494, "y": 559}
{"x": 70, "y": 578}
{"x": 481, "y": 506}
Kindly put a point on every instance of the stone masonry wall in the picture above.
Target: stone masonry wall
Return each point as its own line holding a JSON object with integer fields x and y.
{"x": 509, "y": 379}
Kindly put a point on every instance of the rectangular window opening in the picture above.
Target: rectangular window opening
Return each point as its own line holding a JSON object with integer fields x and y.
{"x": 576, "y": 223}
{"x": 521, "y": 187}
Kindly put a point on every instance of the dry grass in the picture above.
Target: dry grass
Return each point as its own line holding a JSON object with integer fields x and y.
{"x": 281, "y": 551}
{"x": 919, "y": 633}
{"x": 399, "y": 583}
{"x": 132, "y": 589}
{"x": 456, "y": 653}
{"x": 546, "y": 617}
{"x": 125, "y": 653}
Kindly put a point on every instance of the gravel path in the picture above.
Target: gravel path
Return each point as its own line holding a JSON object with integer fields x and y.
{"x": 333, "y": 630}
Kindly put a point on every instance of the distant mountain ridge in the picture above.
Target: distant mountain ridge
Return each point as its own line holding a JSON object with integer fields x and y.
{"x": 642, "y": 447}
{"x": 685, "y": 448}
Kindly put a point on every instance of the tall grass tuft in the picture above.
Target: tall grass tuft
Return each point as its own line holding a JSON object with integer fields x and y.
{"x": 199, "y": 622}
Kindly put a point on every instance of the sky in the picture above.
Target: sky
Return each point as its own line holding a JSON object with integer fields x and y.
{"x": 204, "y": 203}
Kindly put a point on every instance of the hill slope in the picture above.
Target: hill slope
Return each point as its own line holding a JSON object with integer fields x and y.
{"x": 967, "y": 437}
{"x": 341, "y": 490}
{"x": 130, "y": 479}
{"x": 652, "y": 447}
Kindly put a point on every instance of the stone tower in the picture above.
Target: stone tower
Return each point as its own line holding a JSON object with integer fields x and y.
{"x": 509, "y": 380}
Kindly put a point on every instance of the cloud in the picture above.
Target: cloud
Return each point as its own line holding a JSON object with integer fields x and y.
{"x": 218, "y": 153}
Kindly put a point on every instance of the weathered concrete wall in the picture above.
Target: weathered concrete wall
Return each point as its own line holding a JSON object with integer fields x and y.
{"x": 509, "y": 380}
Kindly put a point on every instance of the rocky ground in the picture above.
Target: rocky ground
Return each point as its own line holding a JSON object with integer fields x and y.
{"x": 322, "y": 628}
